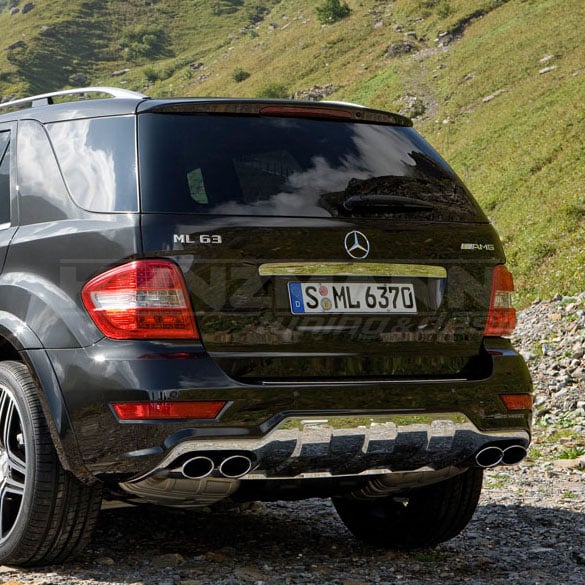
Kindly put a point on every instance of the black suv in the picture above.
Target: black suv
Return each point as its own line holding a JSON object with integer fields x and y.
{"x": 204, "y": 299}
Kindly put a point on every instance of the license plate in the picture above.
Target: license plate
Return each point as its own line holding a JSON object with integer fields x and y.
{"x": 353, "y": 297}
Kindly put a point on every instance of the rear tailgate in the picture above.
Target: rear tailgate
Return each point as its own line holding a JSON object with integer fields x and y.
{"x": 317, "y": 241}
{"x": 280, "y": 301}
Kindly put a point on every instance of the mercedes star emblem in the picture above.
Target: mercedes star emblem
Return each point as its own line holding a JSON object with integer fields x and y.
{"x": 357, "y": 245}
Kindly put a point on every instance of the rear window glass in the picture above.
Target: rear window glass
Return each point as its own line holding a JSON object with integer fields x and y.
{"x": 253, "y": 165}
{"x": 43, "y": 193}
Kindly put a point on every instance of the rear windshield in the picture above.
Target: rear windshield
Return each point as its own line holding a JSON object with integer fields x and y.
{"x": 269, "y": 166}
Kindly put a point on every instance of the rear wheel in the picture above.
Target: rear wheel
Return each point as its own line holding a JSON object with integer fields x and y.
{"x": 46, "y": 514}
{"x": 420, "y": 518}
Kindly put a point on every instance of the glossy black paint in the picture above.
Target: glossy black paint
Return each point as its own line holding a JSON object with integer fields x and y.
{"x": 246, "y": 322}
{"x": 91, "y": 378}
{"x": 253, "y": 353}
{"x": 47, "y": 264}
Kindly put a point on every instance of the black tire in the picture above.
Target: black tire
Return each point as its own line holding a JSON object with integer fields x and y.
{"x": 420, "y": 518}
{"x": 46, "y": 514}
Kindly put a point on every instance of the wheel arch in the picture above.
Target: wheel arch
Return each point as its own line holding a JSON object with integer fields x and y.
{"x": 19, "y": 343}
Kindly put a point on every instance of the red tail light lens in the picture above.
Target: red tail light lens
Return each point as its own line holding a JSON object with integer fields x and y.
{"x": 145, "y": 299}
{"x": 517, "y": 401}
{"x": 501, "y": 319}
{"x": 167, "y": 410}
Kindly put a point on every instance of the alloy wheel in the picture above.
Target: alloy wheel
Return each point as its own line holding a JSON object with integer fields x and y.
{"x": 13, "y": 470}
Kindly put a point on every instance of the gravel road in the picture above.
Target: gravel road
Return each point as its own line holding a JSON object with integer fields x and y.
{"x": 528, "y": 530}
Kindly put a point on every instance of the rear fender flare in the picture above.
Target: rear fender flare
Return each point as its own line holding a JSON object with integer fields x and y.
{"x": 20, "y": 342}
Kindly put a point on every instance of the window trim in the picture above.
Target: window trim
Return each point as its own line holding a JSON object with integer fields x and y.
{"x": 10, "y": 127}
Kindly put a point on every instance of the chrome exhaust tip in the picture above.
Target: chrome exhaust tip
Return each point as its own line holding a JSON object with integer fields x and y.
{"x": 514, "y": 454}
{"x": 197, "y": 467}
{"x": 489, "y": 457}
{"x": 235, "y": 466}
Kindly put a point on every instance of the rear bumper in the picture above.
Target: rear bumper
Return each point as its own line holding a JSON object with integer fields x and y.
{"x": 379, "y": 454}
{"x": 346, "y": 445}
{"x": 373, "y": 426}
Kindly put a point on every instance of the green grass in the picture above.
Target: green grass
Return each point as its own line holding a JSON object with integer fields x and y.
{"x": 521, "y": 152}
{"x": 534, "y": 453}
{"x": 572, "y": 453}
{"x": 551, "y": 438}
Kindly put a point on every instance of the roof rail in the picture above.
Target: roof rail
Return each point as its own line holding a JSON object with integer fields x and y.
{"x": 45, "y": 99}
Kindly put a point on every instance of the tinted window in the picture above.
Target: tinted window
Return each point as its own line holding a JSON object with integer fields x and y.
{"x": 234, "y": 165}
{"x": 98, "y": 160}
{"x": 43, "y": 193}
{"x": 4, "y": 177}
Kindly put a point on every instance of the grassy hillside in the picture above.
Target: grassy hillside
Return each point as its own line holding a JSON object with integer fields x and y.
{"x": 496, "y": 85}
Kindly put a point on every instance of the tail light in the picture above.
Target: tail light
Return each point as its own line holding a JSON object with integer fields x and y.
{"x": 145, "y": 299}
{"x": 501, "y": 319}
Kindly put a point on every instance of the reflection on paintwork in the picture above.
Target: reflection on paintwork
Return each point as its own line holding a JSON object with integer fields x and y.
{"x": 347, "y": 445}
{"x": 387, "y": 420}
{"x": 100, "y": 171}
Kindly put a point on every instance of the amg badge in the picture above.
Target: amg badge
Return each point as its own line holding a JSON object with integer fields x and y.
{"x": 488, "y": 247}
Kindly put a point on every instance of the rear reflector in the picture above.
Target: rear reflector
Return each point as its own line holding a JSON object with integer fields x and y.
{"x": 517, "y": 401}
{"x": 145, "y": 299}
{"x": 501, "y": 319}
{"x": 167, "y": 410}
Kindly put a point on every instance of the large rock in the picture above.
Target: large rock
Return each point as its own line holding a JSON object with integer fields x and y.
{"x": 315, "y": 93}
{"x": 17, "y": 45}
{"x": 399, "y": 49}
{"x": 78, "y": 79}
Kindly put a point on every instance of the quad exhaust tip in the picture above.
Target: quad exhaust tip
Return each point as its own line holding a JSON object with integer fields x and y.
{"x": 492, "y": 456}
{"x": 197, "y": 467}
{"x": 232, "y": 467}
{"x": 514, "y": 454}
{"x": 235, "y": 466}
{"x": 489, "y": 457}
